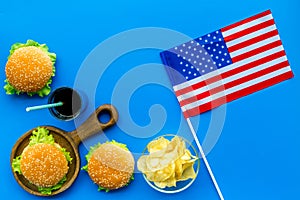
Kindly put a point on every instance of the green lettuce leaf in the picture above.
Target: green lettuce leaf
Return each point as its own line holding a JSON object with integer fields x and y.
{"x": 67, "y": 155}
{"x": 41, "y": 135}
{"x": 16, "y": 164}
{"x": 48, "y": 190}
{"x": 85, "y": 167}
{"x": 102, "y": 188}
{"x": 46, "y": 89}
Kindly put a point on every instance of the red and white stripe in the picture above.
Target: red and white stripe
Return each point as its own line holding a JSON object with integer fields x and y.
{"x": 259, "y": 61}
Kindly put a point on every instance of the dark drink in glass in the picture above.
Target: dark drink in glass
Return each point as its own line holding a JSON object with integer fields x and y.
{"x": 72, "y": 103}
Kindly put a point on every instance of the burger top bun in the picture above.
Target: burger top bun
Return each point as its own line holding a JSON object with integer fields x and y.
{"x": 28, "y": 69}
{"x": 43, "y": 164}
{"x": 111, "y": 166}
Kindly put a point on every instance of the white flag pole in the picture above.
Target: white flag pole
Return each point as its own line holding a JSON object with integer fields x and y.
{"x": 204, "y": 159}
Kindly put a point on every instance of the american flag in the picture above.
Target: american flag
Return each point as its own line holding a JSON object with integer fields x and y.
{"x": 227, "y": 64}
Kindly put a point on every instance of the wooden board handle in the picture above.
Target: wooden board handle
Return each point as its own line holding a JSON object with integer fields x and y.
{"x": 92, "y": 125}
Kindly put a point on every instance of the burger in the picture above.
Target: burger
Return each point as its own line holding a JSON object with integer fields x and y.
{"x": 29, "y": 69}
{"x": 43, "y": 162}
{"x": 110, "y": 165}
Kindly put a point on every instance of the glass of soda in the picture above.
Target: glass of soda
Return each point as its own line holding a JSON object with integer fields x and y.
{"x": 72, "y": 103}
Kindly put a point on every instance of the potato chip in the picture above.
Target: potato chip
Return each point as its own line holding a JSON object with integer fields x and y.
{"x": 167, "y": 162}
{"x": 188, "y": 172}
{"x": 187, "y": 155}
{"x": 162, "y": 158}
{"x": 157, "y": 144}
{"x": 178, "y": 168}
{"x": 170, "y": 182}
{"x": 161, "y": 175}
{"x": 141, "y": 164}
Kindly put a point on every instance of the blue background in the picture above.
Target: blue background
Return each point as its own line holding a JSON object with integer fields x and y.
{"x": 257, "y": 154}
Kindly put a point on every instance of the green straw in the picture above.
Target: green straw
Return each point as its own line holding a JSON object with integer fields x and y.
{"x": 44, "y": 106}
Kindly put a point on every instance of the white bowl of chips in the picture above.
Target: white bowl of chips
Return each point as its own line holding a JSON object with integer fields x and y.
{"x": 169, "y": 163}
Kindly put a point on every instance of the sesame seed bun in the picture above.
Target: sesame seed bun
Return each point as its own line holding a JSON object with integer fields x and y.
{"x": 110, "y": 166}
{"x": 28, "y": 69}
{"x": 43, "y": 164}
